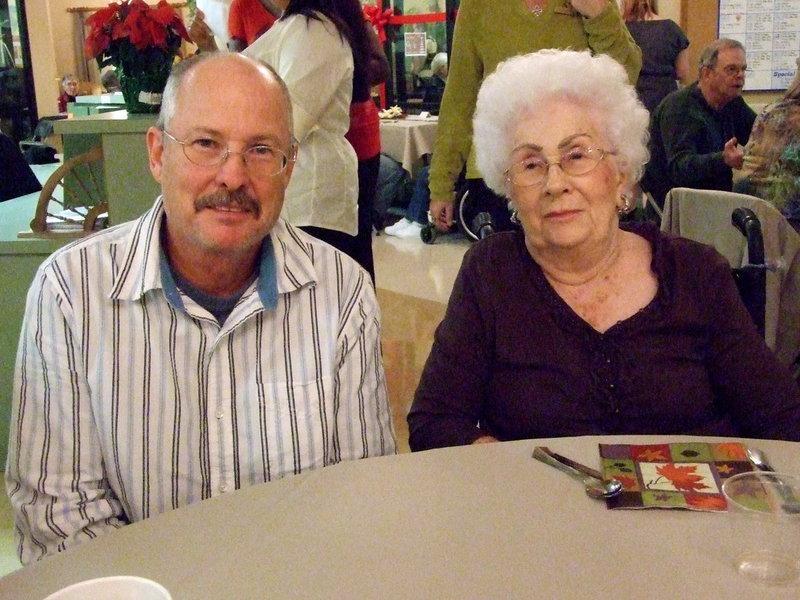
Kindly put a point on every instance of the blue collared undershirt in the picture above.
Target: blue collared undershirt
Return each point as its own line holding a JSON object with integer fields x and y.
{"x": 267, "y": 285}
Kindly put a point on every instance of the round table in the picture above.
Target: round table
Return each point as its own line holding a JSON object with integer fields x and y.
{"x": 483, "y": 521}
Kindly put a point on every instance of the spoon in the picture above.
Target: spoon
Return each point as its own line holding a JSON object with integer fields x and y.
{"x": 759, "y": 459}
{"x": 595, "y": 487}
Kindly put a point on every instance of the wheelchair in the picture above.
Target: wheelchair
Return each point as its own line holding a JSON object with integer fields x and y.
{"x": 477, "y": 213}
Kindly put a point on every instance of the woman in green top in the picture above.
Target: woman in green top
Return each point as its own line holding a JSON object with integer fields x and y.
{"x": 486, "y": 34}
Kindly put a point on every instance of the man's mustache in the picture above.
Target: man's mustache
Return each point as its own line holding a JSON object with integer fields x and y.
{"x": 238, "y": 199}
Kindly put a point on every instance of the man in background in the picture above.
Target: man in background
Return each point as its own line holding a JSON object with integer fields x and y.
{"x": 204, "y": 347}
{"x": 696, "y": 132}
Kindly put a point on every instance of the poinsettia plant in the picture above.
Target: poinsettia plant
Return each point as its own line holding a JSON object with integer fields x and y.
{"x": 134, "y": 36}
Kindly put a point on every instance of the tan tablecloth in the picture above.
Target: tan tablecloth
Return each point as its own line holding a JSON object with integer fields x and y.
{"x": 407, "y": 140}
{"x": 482, "y": 521}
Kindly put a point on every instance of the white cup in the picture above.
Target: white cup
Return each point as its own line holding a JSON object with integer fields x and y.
{"x": 765, "y": 520}
{"x": 120, "y": 587}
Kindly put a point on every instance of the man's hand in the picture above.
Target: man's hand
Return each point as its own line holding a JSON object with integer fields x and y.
{"x": 589, "y": 8}
{"x": 441, "y": 214}
{"x": 732, "y": 155}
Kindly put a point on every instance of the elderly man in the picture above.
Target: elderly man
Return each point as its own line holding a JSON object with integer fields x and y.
{"x": 696, "y": 132}
{"x": 204, "y": 347}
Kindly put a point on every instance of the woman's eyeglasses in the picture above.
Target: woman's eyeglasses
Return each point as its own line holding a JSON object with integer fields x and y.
{"x": 533, "y": 169}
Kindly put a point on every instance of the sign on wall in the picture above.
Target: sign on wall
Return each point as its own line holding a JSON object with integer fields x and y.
{"x": 770, "y": 33}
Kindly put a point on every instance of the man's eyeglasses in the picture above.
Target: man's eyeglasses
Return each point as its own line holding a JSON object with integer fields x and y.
{"x": 532, "y": 170}
{"x": 261, "y": 159}
{"x": 735, "y": 69}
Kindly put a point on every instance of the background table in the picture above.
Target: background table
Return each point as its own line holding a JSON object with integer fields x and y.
{"x": 408, "y": 140}
{"x": 483, "y": 521}
{"x": 129, "y": 185}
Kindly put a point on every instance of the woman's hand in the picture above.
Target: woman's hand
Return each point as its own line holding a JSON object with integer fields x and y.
{"x": 440, "y": 214}
{"x": 201, "y": 34}
{"x": 589, "y": 8}
{"x": 486, "y": 439}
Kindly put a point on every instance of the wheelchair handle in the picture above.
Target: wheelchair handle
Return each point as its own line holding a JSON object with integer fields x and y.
{"x": 483, "y": 225}
{"x": 746, "y": 221}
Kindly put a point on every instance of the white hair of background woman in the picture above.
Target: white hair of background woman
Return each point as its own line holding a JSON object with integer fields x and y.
{"x": 521, "y": 85}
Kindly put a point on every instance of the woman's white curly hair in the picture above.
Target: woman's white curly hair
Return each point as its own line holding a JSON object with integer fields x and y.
{"x": 522, "y": 85}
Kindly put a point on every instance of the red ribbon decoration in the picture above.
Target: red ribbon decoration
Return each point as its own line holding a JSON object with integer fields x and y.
{"x": 378, "y": 19}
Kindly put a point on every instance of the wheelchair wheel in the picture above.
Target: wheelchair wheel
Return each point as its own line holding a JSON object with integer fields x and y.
{"x": 429, "y": 234}
{"x": 466, "y": 214}
{"x": 477, "y": 214}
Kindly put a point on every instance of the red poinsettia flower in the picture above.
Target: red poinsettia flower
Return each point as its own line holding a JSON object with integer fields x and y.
{"x": 132, "y": 34}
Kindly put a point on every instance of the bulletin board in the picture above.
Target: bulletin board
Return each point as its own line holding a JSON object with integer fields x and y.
{"x": 770, "y": 33}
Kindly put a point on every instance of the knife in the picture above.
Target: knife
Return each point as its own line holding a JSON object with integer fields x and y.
{"x": 569, "y": 462}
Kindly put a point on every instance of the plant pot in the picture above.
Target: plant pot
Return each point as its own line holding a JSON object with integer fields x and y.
{"x": 142, "y": 90}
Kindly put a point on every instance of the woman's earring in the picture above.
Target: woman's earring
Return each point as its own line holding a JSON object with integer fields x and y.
{"x": 628, "y": 204}
{"x": 514, "y": 217}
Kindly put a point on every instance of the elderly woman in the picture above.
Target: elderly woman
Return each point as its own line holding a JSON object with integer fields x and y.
{"x": 574, "y": 325}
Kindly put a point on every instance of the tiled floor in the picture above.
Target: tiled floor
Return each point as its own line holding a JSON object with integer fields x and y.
{"x": 414, "y": 282}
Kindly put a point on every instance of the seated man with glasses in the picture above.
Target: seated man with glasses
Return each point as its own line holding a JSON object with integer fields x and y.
{"x": 206, "y": 346}
{"x": 697, "y": 133}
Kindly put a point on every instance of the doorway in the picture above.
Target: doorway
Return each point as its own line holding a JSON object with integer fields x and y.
{"x": 17, "y": 100}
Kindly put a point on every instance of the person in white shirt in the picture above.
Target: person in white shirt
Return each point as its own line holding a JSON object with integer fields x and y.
{"x": 309, "y": 47}
{"x": 206, "y": 346}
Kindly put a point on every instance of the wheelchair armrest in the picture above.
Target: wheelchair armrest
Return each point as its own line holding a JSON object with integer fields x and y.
{"x": 746, "y": 221}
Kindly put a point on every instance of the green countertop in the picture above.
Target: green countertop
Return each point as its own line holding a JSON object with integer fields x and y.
{"x": 116, "y": 121}
{"x": 112, "y": 98}
{"x": 15, "y": 216}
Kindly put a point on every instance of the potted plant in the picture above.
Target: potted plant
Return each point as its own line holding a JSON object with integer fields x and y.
{"x": 141, "y": 42}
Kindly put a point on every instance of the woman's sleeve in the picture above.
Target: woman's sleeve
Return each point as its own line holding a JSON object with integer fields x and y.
{"x": 448, "y": 402}
{"x": 454, "y": 133}
{"x": 607, "y": 34}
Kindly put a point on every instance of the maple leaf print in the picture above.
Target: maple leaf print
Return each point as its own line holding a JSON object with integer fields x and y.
{"x": 684, "y": 478}
{"x": 724, "y": 468}
{"x": 731, "y": 451}
{"x": 629, "y": 483}
{"x": 653, "y": 454}
{"x": 706, "y": 502}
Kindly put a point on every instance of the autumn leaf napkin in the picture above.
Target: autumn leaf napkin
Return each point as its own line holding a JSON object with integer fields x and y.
{"x": 680, "y": 475}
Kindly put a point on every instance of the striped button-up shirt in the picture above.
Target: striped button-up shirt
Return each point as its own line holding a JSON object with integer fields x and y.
{"x": 130, "y": 400}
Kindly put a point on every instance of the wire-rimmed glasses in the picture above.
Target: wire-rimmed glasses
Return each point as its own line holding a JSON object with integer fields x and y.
{"x": 261, "y": 159}
{"x": 533, "y": 169}
{"x": 734, "y": 70}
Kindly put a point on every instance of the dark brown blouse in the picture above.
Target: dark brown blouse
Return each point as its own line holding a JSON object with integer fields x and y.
{"x": 512, "y": 356}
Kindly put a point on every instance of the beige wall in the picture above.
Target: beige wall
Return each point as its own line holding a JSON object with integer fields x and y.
{"x": 51, "y": 32}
